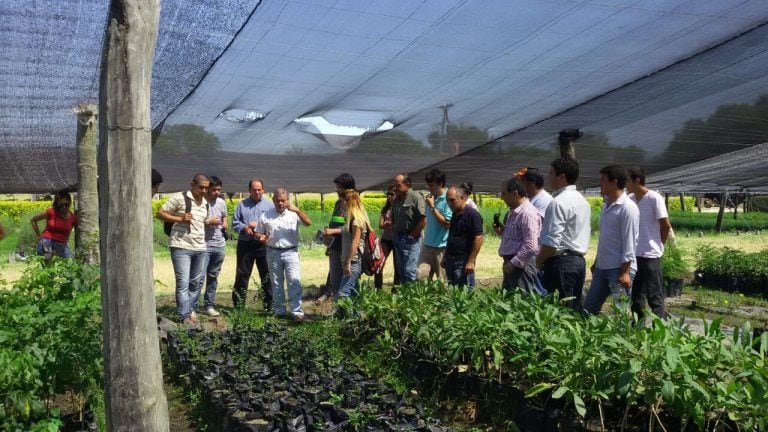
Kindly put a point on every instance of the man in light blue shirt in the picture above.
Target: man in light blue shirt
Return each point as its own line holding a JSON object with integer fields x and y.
{"x": 564, "y": 234}
{"x": 249, "y": 250}
{"x": 615, "y": 264}
{"x": 436, "y": 233}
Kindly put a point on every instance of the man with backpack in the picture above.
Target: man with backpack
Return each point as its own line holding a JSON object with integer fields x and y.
{"x": 188, "y": 211}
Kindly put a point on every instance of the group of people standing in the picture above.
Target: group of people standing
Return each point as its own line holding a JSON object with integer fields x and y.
{"x": 437, "y": 235}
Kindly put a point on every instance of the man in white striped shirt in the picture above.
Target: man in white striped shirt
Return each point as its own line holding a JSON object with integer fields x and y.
{"x": 615, "y": 264}
{"x": 564, "y": 234}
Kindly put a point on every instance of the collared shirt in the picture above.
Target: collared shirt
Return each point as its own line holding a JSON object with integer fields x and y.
{"x": 248, "y": 211}
{"x": 521, "y": 234}
{"x": 541, "y": 201}
{"x": 213, "y": 235}
{"x": 407, "y": 211}
{"x": 282, "y": 228}
{"x": 566, "y": 222}
{"x": 652, "y": 208}
{"x": 619, "y": 224}
{"x": 187, "y": 235}
{"x": 465, "y": 226}
{"x": 436, "y": 235}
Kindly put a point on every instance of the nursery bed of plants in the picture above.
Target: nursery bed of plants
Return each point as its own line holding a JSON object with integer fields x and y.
{"x": 273, "y": 376}
{"x": 50, "y": 348}
{"x": 733, "y": 270}
{"x": 551, "y": 369}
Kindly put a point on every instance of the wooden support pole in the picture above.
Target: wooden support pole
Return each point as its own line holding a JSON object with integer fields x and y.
{"x": 735, "y": 206}
{"x": 666, "y": 200}
{"x": 720, "y": 212}
{"x": 87, "y": 233}
{"x": 699, "y": 202}
{"x": 134, "y": 396}
{"x": 322, "y": 203}
{"x": 682, "y": 202}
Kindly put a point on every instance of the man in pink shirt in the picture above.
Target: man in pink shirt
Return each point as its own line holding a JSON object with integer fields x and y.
{"x": 519, "y": 238}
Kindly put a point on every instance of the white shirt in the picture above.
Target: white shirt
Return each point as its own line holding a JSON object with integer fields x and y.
{"x": 566, "y": 222}
{"x": 541, "y": 201}
{"x": 282, "y": 228}
{"x": 652, "y": 208}
{"x": 619, "y": 224}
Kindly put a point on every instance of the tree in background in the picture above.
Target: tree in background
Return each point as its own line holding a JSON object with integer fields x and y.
{"x": 182, "y": 139}
{"x": 391, "y": 143}
{"x": 731, "y": 127}
{"x": 458, "y": 139}
{"x": 600, "y": 144}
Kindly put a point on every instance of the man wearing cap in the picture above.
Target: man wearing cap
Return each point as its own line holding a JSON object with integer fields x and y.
{"x": 565, "y": 234}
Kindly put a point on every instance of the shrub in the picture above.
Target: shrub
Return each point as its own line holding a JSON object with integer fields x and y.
{"x": 50, "y": 333}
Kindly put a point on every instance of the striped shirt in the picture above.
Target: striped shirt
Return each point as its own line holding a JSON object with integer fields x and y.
{"x": 520, "y": 238}
{"x": 619, "y": 224}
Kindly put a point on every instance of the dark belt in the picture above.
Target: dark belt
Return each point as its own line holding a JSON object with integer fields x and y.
{"x": 507, "y": 257}
{"x": 282, "y": 249}
{"x": 569, "y": 252}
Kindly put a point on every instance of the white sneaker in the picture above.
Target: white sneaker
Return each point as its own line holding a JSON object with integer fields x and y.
{"x": 210, "y": 311}
{"x": 193, "y": 316}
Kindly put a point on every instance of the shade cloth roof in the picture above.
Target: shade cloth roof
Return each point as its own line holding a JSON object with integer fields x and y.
{"x": 297, "y": 92}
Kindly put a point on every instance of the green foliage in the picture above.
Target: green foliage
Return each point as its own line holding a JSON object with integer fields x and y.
{"x": 393, "y": 142}
{"x": 695, "y": 221}
{"x": 548, "y": 351}
{"x": 19, "y": 210}
{"x": 729, "y": 128}
{"x": 673, "y": 266}
{"x": 50, "y": 334}
{"x": 731, "y": 262}
{"x": 182, "y": 139}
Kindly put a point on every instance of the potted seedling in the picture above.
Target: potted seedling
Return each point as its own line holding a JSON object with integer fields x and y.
{"x": 674, "y": 269}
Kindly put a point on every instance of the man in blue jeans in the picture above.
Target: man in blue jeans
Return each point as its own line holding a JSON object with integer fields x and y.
{"x": 615, "y": 264}
{"x": 214, "y": 244}
{"x": 564, "y": 234}
{"x": 465, "y": 237}
{"x": 187, "y": 243}
{"x": 408, "y": 221}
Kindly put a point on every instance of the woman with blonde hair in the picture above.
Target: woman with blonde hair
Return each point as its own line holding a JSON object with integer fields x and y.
{"x": 352, "y": 234}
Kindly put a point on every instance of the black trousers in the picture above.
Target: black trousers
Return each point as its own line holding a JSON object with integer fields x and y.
{"x": 648, "y": 285}
{"x": 565, "y": 274}
{"x": 248, "y": 253}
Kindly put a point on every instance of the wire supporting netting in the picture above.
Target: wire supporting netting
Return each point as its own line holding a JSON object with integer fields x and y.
{"x": 296, "y": 92}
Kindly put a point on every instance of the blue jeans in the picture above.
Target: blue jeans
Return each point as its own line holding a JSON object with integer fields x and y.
{"x": 605, "y": 283}
{"x": 188, "y": 268}
{"x": 348, "y": 286}
{"x": 454, "y": 271}
{"x": 334, "y": 272}
{"x": 407, "y": 252}
{"x": 214, "y": 258}
{"x": 284, "y": 267}
{"x": 47, "y": 247}
{"x": 565, "y": 274}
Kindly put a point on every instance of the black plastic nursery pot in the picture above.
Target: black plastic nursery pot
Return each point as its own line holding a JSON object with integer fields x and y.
{"x": 674, "y": 287}
{"x": 252, "y": 383}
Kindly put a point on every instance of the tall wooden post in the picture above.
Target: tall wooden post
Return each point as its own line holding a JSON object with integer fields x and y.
{"x": 134, "y": 395}
{"x": 720, "y": 212}
{"x": 682, "y": 202}
{"x": 87, "y": 233}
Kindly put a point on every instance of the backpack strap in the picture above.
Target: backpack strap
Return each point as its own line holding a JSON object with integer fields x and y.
{"x": 187, "y": 203}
